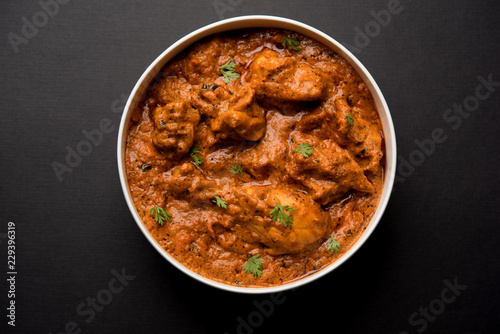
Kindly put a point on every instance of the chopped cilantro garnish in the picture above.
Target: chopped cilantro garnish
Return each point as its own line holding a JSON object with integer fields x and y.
{"x": 278, "y": 213}
{"x": 160, "y": 215}
{"x": 304, "y": 149}
{"x": 228, "y": 71}
{"x": 293, "y": 44}
{"x": 254, "y": 266}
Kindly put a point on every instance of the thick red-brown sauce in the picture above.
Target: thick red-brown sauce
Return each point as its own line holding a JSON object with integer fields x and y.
{"x": 281, "y": 99}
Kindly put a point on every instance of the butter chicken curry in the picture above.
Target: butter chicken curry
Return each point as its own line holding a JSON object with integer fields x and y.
{"x": 256, "y": 157}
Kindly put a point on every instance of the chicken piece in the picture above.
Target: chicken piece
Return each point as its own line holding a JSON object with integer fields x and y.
{"x": 201, "y": 63}
{"x": 267, "y": 156}
{"x": 285, "y": 79}
{"x": 368, "y": 151}
{"x": 364, "y": 140}
{"x": 232, "y": 114}
{"x": 243, "y": 118}
{"x": 171, "y": 89}
{"x": 328, "y": 172}
{"x": 206, "y": 100}
{"x": 174, "y": 126}
{"x": 203, "y": 134}
{"x": 309, "y": 226}
{"x": 187, "y": 182}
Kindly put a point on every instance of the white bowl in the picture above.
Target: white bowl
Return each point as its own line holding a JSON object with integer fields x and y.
{"x": 261, "y": 21}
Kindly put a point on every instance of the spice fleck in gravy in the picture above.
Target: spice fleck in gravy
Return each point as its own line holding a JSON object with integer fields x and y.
{"x": 256, "y": 157}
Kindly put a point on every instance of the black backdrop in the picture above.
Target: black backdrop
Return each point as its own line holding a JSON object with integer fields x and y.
{"x": 431, "y": 266}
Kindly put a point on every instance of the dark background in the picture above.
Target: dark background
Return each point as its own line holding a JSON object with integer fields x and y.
{"x": 442, "y": 222}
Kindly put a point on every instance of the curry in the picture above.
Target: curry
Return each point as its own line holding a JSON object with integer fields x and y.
{"x": 256, "y": 157}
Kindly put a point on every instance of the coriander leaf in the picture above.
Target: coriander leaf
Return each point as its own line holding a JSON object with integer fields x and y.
{"x": 220, "y": 202}
{"x": 333, "y": 245}
{"x": 192, "y": 154}
{"x": 254, "y": 266}
{"x": 293, "y": 44}
{"x": 228, "y": 71}
{"x": 236, "y": 169}
{"x": 304, "y": 149}
{"x": 197, "y": 160}
{"x": 278, "y": 213}
{"x": 160, "y": 214}
{"x": 350, "y": 119}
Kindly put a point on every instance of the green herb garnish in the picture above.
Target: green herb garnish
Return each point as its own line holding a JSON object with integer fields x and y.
{"x": 293, "y": 44}
{"x": 220, "y": 203}
{"x": 236, "y": 169}
{"x": 350, "y": 119}
{"x": 228, "y": 71}
{"x": 333, "y": 245}
{"x": 254, "y": 266}
{"x": 160, "y": 215}
{"x": 304, "y": 149}
{"x": 278, "y": 213}
{"x": 192, "y": 154}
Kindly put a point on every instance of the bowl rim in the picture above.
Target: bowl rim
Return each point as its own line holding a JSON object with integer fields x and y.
{"x": 261, "y": 21}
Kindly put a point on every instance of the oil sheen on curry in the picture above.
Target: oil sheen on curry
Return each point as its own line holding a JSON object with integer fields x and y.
{"x": 256, "y": 157}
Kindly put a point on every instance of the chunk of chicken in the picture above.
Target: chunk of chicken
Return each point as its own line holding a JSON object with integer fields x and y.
{"x": 171, "y": 89}
{"x": 286, "y": 79}
{"x": 174, "y": 126}
{"x": 236, "y": 115}
{"x": 364, "y": 140}
{"x": 270, "y": 152}
{"x": 368, "y": 151}
{"x": 328, "y": 172}
{"x": 243, "y": 118}
{"x": 201, "y": 63}
{"x": 186, "y": 182}
{"x": 310, "y": 222}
